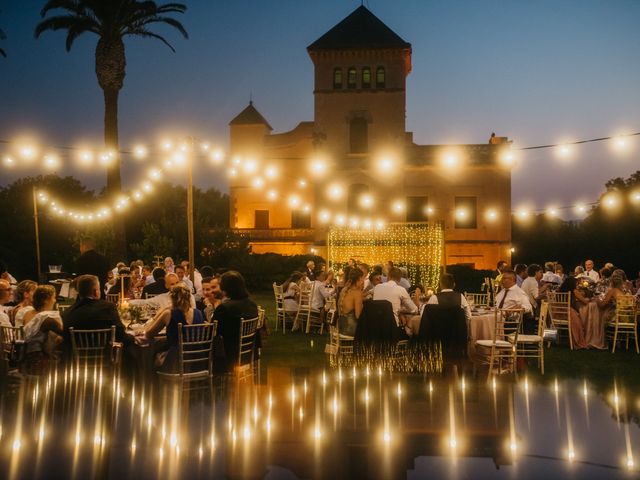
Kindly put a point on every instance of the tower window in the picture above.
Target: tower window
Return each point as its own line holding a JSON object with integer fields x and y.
{"x": 466, "y": 212}
{"x": 337, "y": 78}
{"x": 358, "y": 136}
{"x": 366, "y": 77}
{"x": 352, "y": 77}
{"x": 380, "y": 77}
{"x": 300, "y": 219}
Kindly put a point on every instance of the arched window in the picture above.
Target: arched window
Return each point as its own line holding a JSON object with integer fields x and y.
{"x": 366, "y": 77}
{"x": 337, "y": 78}
{"x": 380, "y": 77}
{"x": 358, "y": 136}
{"x": 352, "y": 77}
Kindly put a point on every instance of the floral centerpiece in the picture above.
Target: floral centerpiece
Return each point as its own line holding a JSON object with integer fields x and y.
{"x": 132, "y": 313}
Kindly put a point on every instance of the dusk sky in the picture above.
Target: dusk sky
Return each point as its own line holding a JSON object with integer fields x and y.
{"x": 536, "y": 71}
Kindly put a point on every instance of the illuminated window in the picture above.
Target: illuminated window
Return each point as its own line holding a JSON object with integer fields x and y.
{"x": 417, "y": 209}
{"x": 358, "y": 136}
{"x": 352, "y": 77}
{"x": 337, "y": 78}
{"x": 261, "y": 219}
{"x": 354, "y": 199}
{"x": 366, "y": 77}
{"x": 466, "y": 212}
{"x": 300, "y": 219}
{"x": 380, "y": 77}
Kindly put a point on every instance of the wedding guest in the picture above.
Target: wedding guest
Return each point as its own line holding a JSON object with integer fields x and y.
{"x": 43, "y": 333}
{"x": 590, "y": 272}
{"x": 169, "y": 265}
{"x": 608, "y": 302}
{"x": 560, "y": 272}
{"x": 501, "y": 266}
{"x": 291, "y": 290}
{"x": 212, "y": 296}
{"x": 404, "y": 280}
{"x": 550, "y": 275}
{"x": 531, "y": 285}
{"x": 375, "y": 278}
{"x": 182, "y": 312}
{"x": 310, "y": 270}
{"x": 237, "y": 306}
{"x": 147, "y": 274}
{"x": 511, "y": 296}
{"x": 448, "y": 297}
{"x": 181, "y": 272}
{"x": 394, "y": 293}
{"x": 24, "y": 308}
{"x": 158, "y": 286}
{"x": 122, "y": 284}
{"x": 570, "y": 284}
{"x": 521, "y": 273}
{"x": 163, "y": 300}
{"x": 5, "y": 296}
{"x": 197, "y": 278}
{"x": 350, "y": 302}
{"x": 321, "y": 293}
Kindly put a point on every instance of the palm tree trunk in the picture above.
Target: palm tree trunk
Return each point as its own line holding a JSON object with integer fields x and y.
{"x": 114, "y": 183}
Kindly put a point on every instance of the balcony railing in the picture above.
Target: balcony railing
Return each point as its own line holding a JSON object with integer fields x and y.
{"x": 277, "y": 234}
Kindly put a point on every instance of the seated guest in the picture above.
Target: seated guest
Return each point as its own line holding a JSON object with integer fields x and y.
{"x": 212, "y": 297}
{"x": 448, "y": 297}
{"x": 291, "y": 291}
{"x": 147, "y": 275}
{"x": 89, "y": 312}
{"x": 404, "y": 280}
{"x": 375, "y": 278}
{"x": 181, "y": 272}
{"x": 560, "y": 272}
{"x": 169, "y": 265}
{"x": 511, "y": 296}
{"x": 24, "y": 308}
{"x": 350, "y": 302}
{"x": 501, "y": 266}
{"x": 43, "y": 332}
{"x": 111, "y": 281}
{"x": 320, "y": 292}
{"x": 521, "y": 273}
{"x": 197, "y": 278}
{"x": 394, "y": 293}
{"x": 237, "y": 305}
{"x": 577, "y": 298}
{"x": 531, "y": 287}
{"x": 180, "y": 311}
{"x": 158, "y": 286}
{"x": 590, "y": 272}
{"x": 550, "y": 275}
{"x": 310, "y": 270}
{"x": 5, "y": 296}
{"x": 164, "y": 299}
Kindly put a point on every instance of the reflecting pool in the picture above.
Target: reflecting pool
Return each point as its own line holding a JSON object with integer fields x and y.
{"x": 303, "y": 423}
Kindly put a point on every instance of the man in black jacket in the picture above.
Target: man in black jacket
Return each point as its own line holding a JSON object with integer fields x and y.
{"x": 158, "y": 286}
{"x": 91, "y": 313}
{"x": 92, "y": 263}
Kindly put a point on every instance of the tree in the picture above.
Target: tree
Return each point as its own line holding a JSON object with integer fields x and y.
{"x": 2, "y": 37}
{"x": 111, "y": 21}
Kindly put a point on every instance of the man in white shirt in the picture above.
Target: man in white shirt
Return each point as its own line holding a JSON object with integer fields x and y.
{"x": 531, "y": 285}
{"x": 197, "y": 278}
{"x": 404, "y": 281}
{"x": 320, "y": 292}
{"x": 512, "y": 296}
{"x": 395, "y": 294}
{"x": 448, "y": 297}
{"x": 590, "y": 272}
{"x": 5, "y": 296}
{"x": 550, "y": 275}
{"x": 181, "y": 272}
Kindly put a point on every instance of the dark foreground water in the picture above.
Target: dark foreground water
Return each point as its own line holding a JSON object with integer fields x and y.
{"x": 298, "y": 423}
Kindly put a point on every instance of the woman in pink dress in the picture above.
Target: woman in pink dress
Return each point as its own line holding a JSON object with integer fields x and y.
{"x": 577, "y": 328}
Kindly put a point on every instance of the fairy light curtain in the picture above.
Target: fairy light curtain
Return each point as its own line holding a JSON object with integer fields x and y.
{"x": 416, "y": 246}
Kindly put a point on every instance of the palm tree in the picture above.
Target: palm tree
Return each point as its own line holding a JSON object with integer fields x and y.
{"x": 2, "y": 37}
{"x": 111, "y": 21}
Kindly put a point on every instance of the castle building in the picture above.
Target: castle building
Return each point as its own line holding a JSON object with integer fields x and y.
{"x": 356, "y": 161}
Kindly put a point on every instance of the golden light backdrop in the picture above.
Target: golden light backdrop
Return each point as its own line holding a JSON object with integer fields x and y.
{"x": 174, "y": 155}
{"x": 416, "y": 246}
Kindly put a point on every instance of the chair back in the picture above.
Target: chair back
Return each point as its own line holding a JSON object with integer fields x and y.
{"x": 261, "y": 314}
{"x": 10, "y": 337}
{"x": 625, "y": 309}
{"x": 559, "y": 307}
{"x": 195, "y": 348}
{"x": 306, "y": 296}
{"x": 92, "y": 345}
{"x": 507, "y": 324}
{"x": 113, "y": 297}
{"x": 477, "y": 299}
{"x": 248, "y": 329}
{"x": 542, "y": 319}
{"x": 279, "y": 296}
{"x": 446, "y": 325}
{"x": 377, "y": 324}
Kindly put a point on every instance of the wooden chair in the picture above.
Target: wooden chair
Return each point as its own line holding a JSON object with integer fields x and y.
{"x": 12, "y": 340}
{"x": 502, "y": 349}
{"x": 113, "y": 297}
{"x": 340, "y": 347}
{"x": 624, "y": 321}
{"x": 96, "y": 347}
{"x": 560, "y": 313}
{"x": 246, "y": 350}
{"x": 532, "y": 346}
{"x": 281, "y": 315}
{"x": 195, "y": 353}
{"x": 304, "y": 305}
{"x": 477, "y": 299}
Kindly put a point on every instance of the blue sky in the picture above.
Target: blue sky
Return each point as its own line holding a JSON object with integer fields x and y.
{"x": 536, "y": 71}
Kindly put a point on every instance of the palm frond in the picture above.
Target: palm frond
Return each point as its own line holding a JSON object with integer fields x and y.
{"x": 3, "y": 36}
{"x": 3, "y": 53}
{"x": 67, "y": 22}
{"x": 146, "y": 33}
{"x": 142, "y": 24}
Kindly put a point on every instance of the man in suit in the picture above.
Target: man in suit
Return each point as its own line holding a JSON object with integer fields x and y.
{"x": 311, "y": 270}
{"x": 89, "y": 312}
{"x": 158, "y": 286}
{"x": 92, "y": 263}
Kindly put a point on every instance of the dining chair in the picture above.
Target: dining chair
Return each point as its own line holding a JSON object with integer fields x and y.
{"x": 281, "y": 315}
{"x": 501, "y": 352}
{"x": 12, "y": 341}
{"x": 195, "y": 353}
{"x": 246, "y": 349}
{"x": 624, "y": 322}
{"x": 113, "y": 297}
{"x": 560, "y": 313}
{"x": 95, "y": 347}
{"x": 304, "y": 304}
{"x": 340, "y": 347}
{"x": 477, "y": 299}
{"x": 532, "y": 346}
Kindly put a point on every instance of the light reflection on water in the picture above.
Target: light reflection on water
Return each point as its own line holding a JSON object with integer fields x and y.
{"x": 356, "y": 422}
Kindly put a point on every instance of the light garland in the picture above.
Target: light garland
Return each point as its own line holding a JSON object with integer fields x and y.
{"x": 416, "y": 246}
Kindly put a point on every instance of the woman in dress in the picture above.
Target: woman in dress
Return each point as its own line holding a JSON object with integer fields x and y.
{"x": 291, "y": 291}
{"x": 180, "y": 311}
{"x": 43, "y": 333}
{"x": 350, "y": 303}
{"x": 577, "y": 299}
{"x": 607, "y": 304}
{"x": 24, "y": 311}
{"x": 236, "y": 306}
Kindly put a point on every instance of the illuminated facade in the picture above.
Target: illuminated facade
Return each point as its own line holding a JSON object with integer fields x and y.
{"x": 355, "y": 162}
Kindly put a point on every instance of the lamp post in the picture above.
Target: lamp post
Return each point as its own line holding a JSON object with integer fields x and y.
{"x": 37, "y": 229}
{"x": 192, "y": 265}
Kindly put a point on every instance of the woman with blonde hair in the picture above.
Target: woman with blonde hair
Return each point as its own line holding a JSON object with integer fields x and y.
{"x": 350, "y": 302}
{"x": 180, "y": 311}
{"x": 43, "y": 332}
{"x": 24, "y": 311}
